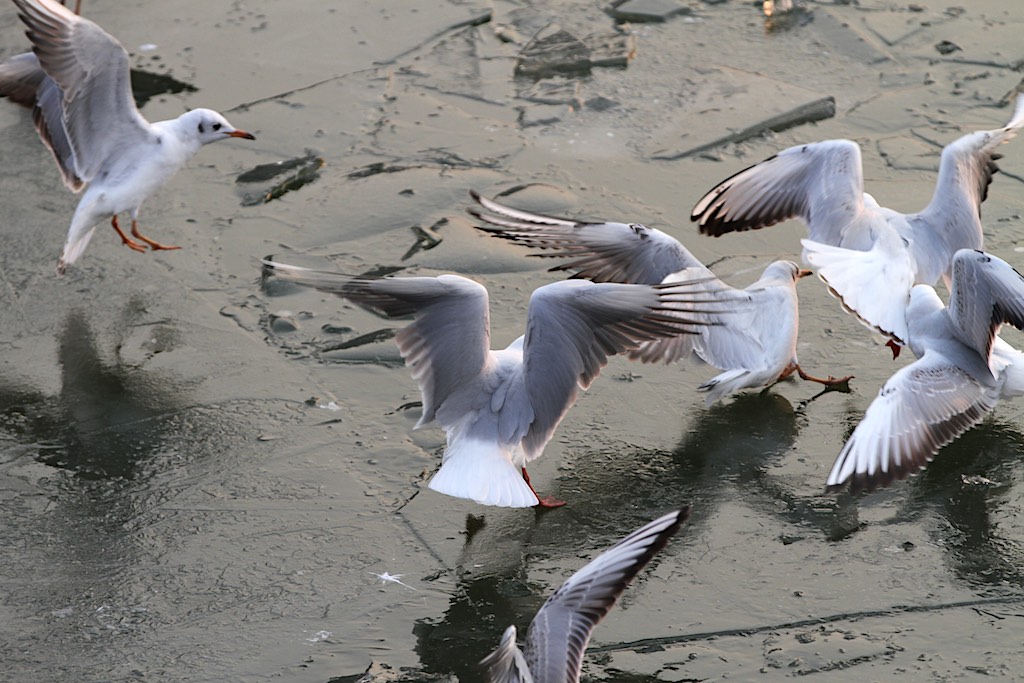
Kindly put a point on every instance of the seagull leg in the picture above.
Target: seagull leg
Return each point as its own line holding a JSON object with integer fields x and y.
{"x": 830, "y": 382}
{"x": 895, "y": 348}
{"x": 125, "y": 239}
{"x": 155, "y": 246}
{"x": 790, "y": 369}
{"x": 549, "y": 502}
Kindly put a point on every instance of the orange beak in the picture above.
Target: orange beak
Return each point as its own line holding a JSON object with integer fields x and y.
{"x": 803, "y": 272}
{"x": 241, "y": 134}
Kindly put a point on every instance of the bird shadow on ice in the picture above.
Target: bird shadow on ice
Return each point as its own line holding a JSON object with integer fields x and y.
{"x": 728, "y": 453}
{"x": 106, "y": 418}
{"x": 973, "y": 486}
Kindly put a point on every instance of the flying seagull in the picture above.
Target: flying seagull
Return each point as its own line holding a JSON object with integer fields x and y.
{"x": 962, "y": 372}
{"x": 755, "y": 347}
{"x": 500, "y": 408}
{"x": 559, "y": 633}
{"x": 822, "y": 184}
{"x": 77, "y": 81}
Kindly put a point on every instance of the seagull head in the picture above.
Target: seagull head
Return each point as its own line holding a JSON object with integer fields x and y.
{"x": 209, "y": 126}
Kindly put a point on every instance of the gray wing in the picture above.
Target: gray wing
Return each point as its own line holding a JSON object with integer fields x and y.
{"x": 734, "y": 344}
{"x": 559, "y": 634}
{"x": 573, "y": 327}
{"x": 967, "y": 166}
{"x": 821, "y": 183}
{"x": 920, "y": 409}
{"x": 23, "y": 80}
{"x": 448, "y": 342}
{"x": 602, "y": 252}
{"x": 507, "y": 663}
{"x": 92, "y": 72}
{"x": 874, "y": 285}
{"x": 20, "y": 77}
{"x": 986, "y": 293}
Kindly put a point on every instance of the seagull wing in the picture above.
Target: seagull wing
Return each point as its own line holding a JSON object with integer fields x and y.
{"x": 968, "y": 163}
{"x": 602, "y": 252}
{"x": 448, "y": 343}
{"x": 821, "y": 183}
{"x": 20, "y": 77}
{"x": 507, "y": 663}
{"x": 733, "y": 344}
{"x": 559, "y": 633}
{"x": 920, "y": 409}
{"x": 873, "y": 285}
{"x": 92, "y": 71}
{"x": 987, "y": 292}
{"x": 573, "y": 327}
{"x": 23, "y": 80}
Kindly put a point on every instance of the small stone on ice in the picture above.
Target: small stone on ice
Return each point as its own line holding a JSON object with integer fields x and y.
{"x": 283, "y": 322}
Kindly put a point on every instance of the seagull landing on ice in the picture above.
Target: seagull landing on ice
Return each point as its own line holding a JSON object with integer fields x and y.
{"x": 822, "y": 184}
{"x": 77, "y": 81}
{"x": 756, "y": 347}
{"x": 963, "y": 370}
{"x": 500, "y": 408}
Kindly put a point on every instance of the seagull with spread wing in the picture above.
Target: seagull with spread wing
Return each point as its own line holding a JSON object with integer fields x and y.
{"x": 561, "y": 629}
{"x": 77, "y": 82}
{"x": 755, "y": 347}
{"x": 963, "y": 370}
{"x": 500, "y": 408}
{"x": 822, "y": 184}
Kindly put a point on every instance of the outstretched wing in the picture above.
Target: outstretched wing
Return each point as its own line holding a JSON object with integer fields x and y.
{"x": 20, "y": 77}
{"x": 23, "y": 80}
{"x": 92, "y": 72}
{"x": 559, "y": 634}
{"x": 968, "y": 163}
{"x": 507, "y": 663}
{"x": 920, "y": 409}
{"x": 602, "y": 252}
{"x": 874, "y": 285}
{"x": 733, "y": 344}
{"x": 821, "y": 183}
{"x": 573, "y": 327}
{"x": 986, "y": 293}
{"x": 448, "y": 342}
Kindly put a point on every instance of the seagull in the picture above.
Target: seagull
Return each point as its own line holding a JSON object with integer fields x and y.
{"x": 756, "y": 346}
{"x": 77, "y": 81}
{"x": 822, "y": 184}
{"x": 500, "y": 408}
{"x": 963, "y": 370}
{"x": 561, "y": 629}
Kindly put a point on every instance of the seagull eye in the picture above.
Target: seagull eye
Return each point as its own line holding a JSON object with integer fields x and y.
{"x": 201, "y": 129}
{"x": 216, "y": 126}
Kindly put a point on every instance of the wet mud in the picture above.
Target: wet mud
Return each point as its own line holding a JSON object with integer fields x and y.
{"x": 202, "y": 474}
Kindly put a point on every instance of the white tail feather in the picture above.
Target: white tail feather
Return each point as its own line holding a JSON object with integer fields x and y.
{"x": 483, "y": 472}
{"x": 73, "y": 248}
{"x": 726, "y": 383}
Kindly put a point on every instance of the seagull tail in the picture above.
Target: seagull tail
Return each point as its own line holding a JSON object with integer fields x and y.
{"x": 724, "y": 384}
{"x": 482, "y": 471}
{"x": 74, "y": 246}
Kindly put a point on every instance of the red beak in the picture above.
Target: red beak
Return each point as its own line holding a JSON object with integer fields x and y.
{"x": 241, "y": 134}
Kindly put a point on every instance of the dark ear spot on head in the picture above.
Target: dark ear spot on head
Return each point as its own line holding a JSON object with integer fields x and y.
{"x": 201, "y": 128}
